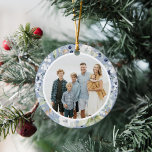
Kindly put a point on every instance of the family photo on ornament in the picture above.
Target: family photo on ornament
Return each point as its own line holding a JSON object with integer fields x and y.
{"x": 83, "y": 95}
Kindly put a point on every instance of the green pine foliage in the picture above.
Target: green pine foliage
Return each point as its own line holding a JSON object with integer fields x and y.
{"x": 137, "y": 135}
{"x": 87, "y": 146}
{"x": 9, "y": 119}
{"x": 128, "y": 41}
{"x": 114, "y": 11}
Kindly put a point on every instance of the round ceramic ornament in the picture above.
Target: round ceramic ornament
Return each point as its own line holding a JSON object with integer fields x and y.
{"x": 76, "y": 91}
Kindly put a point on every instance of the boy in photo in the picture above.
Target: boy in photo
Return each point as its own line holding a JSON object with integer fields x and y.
{"x": 58, "y": 88}
{"x": 68, "y": 101}
{"x": 76, "y": 93}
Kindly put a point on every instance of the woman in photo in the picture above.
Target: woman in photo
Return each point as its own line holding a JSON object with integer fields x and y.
{"x": 96, "y": 91}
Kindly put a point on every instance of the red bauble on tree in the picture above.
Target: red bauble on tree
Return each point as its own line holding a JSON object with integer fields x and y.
{"x": 6, "y": 45}
{"x": 1, "y": 63}
{"x": 26, "y": 128}
{"x": 37, "y": 32}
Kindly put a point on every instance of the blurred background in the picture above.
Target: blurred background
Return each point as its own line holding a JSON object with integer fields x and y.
{"x": 16, "y": 12}
{"x": 12, "y": 14}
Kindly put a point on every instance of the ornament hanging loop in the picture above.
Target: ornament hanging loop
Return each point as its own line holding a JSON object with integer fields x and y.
{"x": 77, "y": 46}
{"x": 77, "y": 32}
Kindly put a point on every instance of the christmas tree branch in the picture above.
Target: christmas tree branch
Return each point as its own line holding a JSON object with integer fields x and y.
{"x": 114, "y": 11}
{"x": 137, "y": 135}
{"x": 20, "y": 64}
{"x": 130, "y": 42}
{"x": 89, "y": 145}
{"x": 10, "y": 117}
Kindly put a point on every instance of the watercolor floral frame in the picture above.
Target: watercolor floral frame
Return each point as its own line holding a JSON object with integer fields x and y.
{"x": 84, "y": 122}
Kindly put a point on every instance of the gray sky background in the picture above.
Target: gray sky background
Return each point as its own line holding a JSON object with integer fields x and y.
{"x": 71, "y": 63}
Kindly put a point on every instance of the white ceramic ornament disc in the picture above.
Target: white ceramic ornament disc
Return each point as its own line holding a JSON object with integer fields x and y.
{"x": 64, "y": 58}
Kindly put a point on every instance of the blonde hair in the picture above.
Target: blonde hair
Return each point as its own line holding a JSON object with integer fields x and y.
{"x": 68, "y": 84}
{"x": 74, "y": 74}
{"x": 60, "y": 70}
{"x": 99, "y": 71}
{"x": 92, "y": 75}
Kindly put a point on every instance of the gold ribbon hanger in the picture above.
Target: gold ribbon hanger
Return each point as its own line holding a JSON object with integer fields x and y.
{"x": 77, "y": 31}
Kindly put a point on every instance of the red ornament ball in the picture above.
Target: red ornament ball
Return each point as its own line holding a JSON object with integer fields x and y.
{"x": 26, "y": 128}
{"x": 6, "y": 45}
{"x": 37, "y": 32}
{"x": 1, "y": 63}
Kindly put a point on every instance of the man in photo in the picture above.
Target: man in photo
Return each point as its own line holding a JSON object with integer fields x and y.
{"x": 68, "y": 101}
{"x": 58, "y": 88}
{"x": 76, "y": 93}
{"x": 84, "y": 95}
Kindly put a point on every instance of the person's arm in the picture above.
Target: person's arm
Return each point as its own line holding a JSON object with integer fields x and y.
{"x": 100, "y": 86}
{"x": 88, "y": 85}
{"x": 64, "y": 86}
{"x": 63, "y": 101}
{"x": 98, "y": 89}
{"x": 78, "y": 93}
{"x": 52, "y": 93}
{"x": 65, "y": 89}
{"x": 74, "y": 100}
{"x": 78, "y": 79}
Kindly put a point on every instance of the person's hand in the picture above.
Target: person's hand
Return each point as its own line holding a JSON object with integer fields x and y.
{"x": 52, "y": 103}
{"x": 65, "y": 106}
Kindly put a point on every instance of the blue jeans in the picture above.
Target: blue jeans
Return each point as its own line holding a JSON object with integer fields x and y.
{"x": 68, "y": 113}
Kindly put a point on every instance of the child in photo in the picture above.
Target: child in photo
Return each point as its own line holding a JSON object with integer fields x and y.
{"x": 58, "y": 88}
{"x": 76, "y": 92}
{"x": 93, "y": 84}
{"x": 68, "y": 101}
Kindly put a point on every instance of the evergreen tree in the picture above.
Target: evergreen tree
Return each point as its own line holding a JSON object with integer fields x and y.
{"x": 128, "y": 127}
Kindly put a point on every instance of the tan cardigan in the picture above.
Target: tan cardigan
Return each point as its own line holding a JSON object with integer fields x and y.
{"x": 95, "y": 85}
